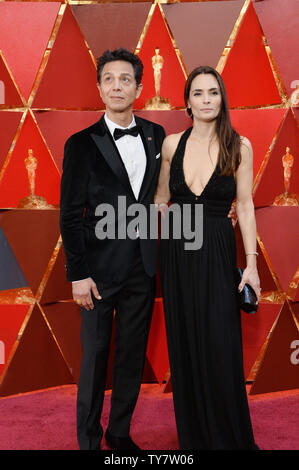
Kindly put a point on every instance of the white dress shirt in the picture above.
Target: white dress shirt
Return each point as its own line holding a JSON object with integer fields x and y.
{"x": 133, "y": 155}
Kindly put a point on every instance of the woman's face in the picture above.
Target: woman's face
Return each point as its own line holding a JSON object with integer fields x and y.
{"x": 205, "y": 97}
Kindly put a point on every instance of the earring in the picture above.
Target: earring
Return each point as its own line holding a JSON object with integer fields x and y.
{"x": 188, "y": 112}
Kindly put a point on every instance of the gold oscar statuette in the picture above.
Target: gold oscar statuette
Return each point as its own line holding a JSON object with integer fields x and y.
{"x": 286, "y": 199}
{"x": 33, "y": 201}
{"x": 157, "y": 102}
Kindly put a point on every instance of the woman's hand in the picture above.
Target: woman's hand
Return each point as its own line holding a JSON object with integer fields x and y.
{"x": 161, "y": 206}
{"x": 162, "y": 195}
{"x": 251, "y": 277}
{"x": 232, "y": 213}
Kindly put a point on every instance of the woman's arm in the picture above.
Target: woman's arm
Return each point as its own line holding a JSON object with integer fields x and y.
{"x": 162, "y": 195}
{"x": 246, "y": 217}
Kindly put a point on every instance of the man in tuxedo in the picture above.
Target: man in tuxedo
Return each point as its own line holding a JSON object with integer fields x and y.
{"x": 118, "y": 156}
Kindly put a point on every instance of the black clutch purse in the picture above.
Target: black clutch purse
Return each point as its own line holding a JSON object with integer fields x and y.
{"x": 247, "y": 299}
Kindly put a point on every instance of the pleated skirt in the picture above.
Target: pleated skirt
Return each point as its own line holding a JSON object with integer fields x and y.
{"x": 203, "y": 325}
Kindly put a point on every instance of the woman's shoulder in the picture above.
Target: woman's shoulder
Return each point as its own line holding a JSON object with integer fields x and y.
{"x": 170, "y": 144}
{"x": 172, "y": 140}
{"x": 245, "y": 142}
{"x": 246, "y": 149}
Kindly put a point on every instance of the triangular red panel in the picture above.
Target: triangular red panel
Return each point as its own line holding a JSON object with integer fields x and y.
{"x": 21, "y": 23}
{"x": 168, "y": 385}
{"x": 9, "y": 96}
{"x": 247, "y": 72}
{"x": 60, "y": 316}
{"x": 37, "y": 362}
{"x": 32, "y": 235}
{"x": 173, "y": 121}
{"x": 271, "y": 183}
{"x": 255, "y": 329}
{"x": 172, "y": 78}
{"x": 57, "y": 126}
{"x": 110, "y": 19}
{"x": 278, "y": 230}
{"x": 188, "y": 21}
{"x": 280, "y": 25}
{"x": 260, "y": 127}
{"x": 69, "y": 80}
{"x": 9, "y": 122}
{"x": 11, "y": 319}
{"x": 57, "y": 288}
{"x": 157, "y": 351}
{"x": 295, "y": 310}
{"x": 279, "y": 367}
{"x": 15, "y": 185}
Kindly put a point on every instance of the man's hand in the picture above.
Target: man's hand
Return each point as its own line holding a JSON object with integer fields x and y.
{"x": 82, "y": 293}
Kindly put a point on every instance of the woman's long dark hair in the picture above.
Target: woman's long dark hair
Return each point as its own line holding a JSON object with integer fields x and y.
{"x": 229, "y": 140}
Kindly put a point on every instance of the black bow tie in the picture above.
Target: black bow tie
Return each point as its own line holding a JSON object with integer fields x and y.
{"x": 118, "y": 133}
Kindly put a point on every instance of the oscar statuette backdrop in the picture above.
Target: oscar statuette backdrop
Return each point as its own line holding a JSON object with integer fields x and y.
{"x": 48, "y": 91}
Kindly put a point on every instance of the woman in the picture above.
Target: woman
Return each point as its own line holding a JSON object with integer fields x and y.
{"x": 208, "y": 164}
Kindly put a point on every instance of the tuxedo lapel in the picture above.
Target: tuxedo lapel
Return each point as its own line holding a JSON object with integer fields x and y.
{"x": 150, "y": 150}
{"x": 109, "y": 151}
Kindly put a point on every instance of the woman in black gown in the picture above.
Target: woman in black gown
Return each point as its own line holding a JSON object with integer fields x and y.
{"x": 208, "y": 164}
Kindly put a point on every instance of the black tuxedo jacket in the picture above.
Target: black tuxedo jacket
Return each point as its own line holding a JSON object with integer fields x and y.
{"x": 93, "y": 174}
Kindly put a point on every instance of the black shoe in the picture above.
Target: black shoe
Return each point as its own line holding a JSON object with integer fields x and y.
{"x": 120, "y": 443}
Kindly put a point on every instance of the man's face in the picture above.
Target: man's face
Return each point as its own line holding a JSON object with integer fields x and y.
{"x": 118, "y": 87}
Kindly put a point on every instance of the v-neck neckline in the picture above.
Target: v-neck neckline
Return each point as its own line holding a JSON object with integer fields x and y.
{"x": 188, "y": 132}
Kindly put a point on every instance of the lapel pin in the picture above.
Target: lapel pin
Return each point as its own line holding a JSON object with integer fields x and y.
{"x": 149, "y": 138}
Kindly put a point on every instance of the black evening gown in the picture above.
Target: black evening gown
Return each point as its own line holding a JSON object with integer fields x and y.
{"x": 203, "y": 322}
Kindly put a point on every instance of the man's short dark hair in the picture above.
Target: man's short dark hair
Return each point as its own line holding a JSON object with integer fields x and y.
{"x": 120, "y": 54}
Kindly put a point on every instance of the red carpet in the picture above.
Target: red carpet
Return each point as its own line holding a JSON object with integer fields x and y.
{"x": 46, "y": 420}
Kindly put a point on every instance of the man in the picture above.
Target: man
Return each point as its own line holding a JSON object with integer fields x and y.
{"x": 101, "y": 164}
